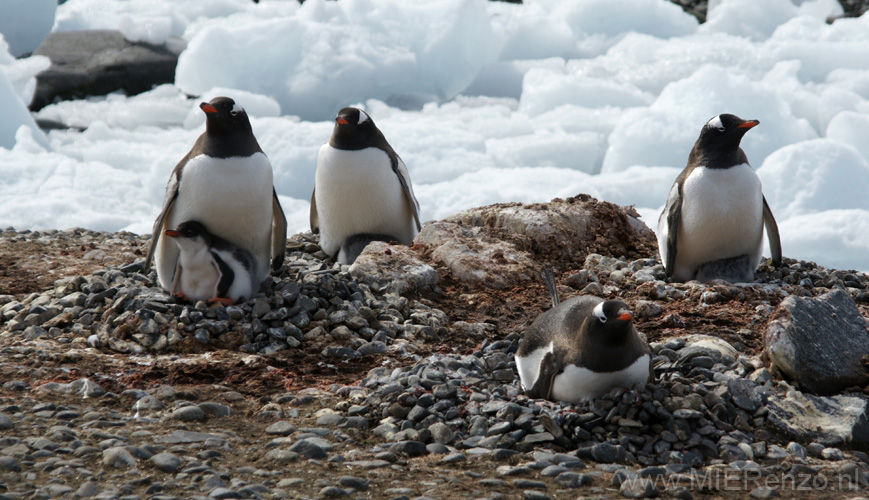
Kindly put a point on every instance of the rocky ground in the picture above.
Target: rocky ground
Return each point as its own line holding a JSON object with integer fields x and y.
{"x": 329, "y": 384}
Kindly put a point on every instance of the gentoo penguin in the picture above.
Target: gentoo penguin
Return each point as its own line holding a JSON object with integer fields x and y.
{"x": 712, "y": 224}
{"x": 362, "y": 190}
{"x": 225, "y": 183}
{"x": 582, "y": 348}
{"x": 209, "y": 267}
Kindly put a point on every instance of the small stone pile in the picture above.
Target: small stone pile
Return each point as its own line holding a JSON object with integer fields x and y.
{"x": 309, "y": 302}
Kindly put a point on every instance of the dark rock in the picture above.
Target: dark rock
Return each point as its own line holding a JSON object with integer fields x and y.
{"x": 97, "y": 62}
{"x": 409, "y": 448}
{"x": 821, "y": 343}
{"x": 308, "y": 449}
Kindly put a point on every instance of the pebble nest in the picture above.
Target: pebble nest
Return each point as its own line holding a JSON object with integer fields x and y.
{"x": 428, "y": 400}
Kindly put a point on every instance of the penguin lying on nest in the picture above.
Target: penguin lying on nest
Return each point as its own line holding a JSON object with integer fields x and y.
{"x": 582, "y": 348}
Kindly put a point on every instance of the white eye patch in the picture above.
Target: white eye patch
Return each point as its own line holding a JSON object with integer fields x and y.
{"x": 363, "y": 117}
{"x": 598, "y": 313}
{"x": 236, "y": 109}
{"x": 716, "y": 123}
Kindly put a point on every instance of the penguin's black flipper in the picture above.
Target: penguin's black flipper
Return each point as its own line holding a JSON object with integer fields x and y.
{"x": 279, "y": 232}
{"x": 772, "y": 234}
{"x": 674, "y": 218}
{"x": 312, "y": 217}
{"x": 169, "y": 202}
{"x": 227, "y": 276}
{"x": 549, "y": 368}
{"x": 400, "y": 170}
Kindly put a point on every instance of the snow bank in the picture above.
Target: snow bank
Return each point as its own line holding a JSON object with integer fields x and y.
{"x": 485, "y": 101}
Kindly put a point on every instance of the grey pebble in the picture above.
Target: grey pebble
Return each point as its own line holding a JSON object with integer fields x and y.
{"x": 354, "y": 482}
{"x": 638, "y": 488}
{"x": 453, "y": 458}
{"x": 409, "y": 448}
{"x": 763, "y": 492}
{"x": 281, "y": 428}
{"x": 87, "y": 489}
{"x": 9, "y": 464}
{"x": 529, "y": 483}
{"x": 307, "y": 448}
{"x": 119, "y": 458}
{"x": 222, "y": 493}
{"x": 166, "y": 462}
{"x": 534, "y": 494}
{"x": 216, "y": 409}
{"x": 281, "y": 456}
{"x": 573, "y": 479}
{"x": 187, "y": 414}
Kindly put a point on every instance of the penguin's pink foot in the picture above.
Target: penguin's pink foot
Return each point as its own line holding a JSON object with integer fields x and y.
{"x": 226, "y": 301}
{"x": 180, "y": 297}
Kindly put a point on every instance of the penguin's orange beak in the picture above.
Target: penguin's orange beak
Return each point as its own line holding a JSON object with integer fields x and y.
{"x": 748, "y": 124}
{"x": 625, "y": 316}
{"x": 208, "y": 108}
{"x": 341, "y": 121}
{"x": 171, "y": 232}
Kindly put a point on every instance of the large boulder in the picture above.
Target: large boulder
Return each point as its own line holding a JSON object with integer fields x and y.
{"x": 97, "y": 62}
{"x": 820, "y": 343}
{"x": 831, "y": 421}
{"x": 502, "y": 245}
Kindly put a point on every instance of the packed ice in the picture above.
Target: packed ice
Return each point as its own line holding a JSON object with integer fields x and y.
{"x": 485, "y": 101}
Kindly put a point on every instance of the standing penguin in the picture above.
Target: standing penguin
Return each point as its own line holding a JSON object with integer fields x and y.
{"x": 224, "y": 182}
{"x": 712, "y": 225}
{"x": 582, "y": 348}
{"x": 362, "y": 190}
{"x": 209, "y": 267}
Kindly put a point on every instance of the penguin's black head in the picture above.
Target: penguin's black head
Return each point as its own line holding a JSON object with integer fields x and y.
{"x": 718, "y": 144}
{"x": 223, "y": 116}
{"x": 612, "y": 319}
{"x": 190, "y": 229}
{"x": 355, "y": 130}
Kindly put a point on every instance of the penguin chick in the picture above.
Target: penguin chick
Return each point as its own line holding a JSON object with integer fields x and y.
{"x": 582, "y": 348}
{"x": 712, "y": 225}
{"x": 225, "y": 182}
{"x": 362, "y": 190}
{"x": 210, "y": 268}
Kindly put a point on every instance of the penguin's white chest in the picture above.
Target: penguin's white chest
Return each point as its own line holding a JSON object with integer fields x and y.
{"x": 721, "y": 217}
{"x": 197, "y": 274}
{"x": 232, "y": 197}
{"x": 358, "y": 192}
{"x": 576, "y": 383}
